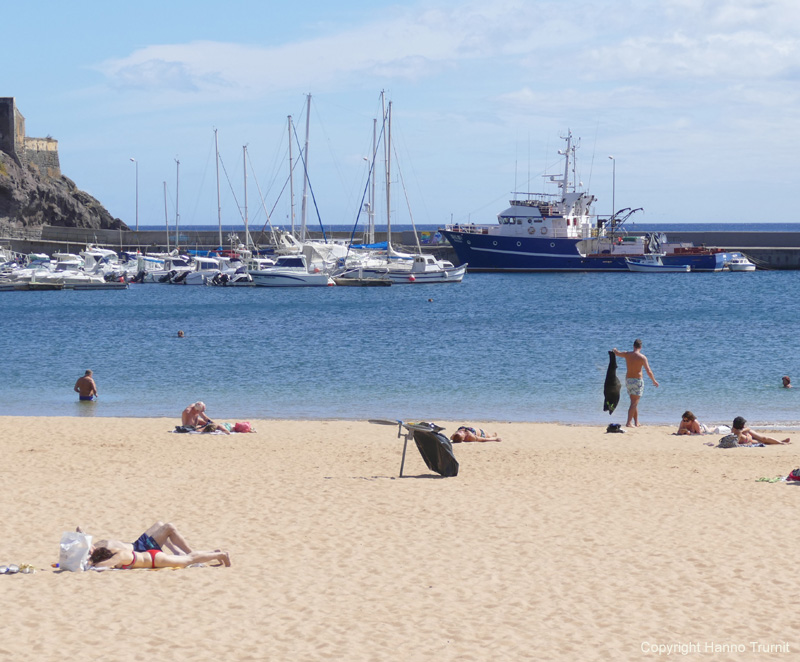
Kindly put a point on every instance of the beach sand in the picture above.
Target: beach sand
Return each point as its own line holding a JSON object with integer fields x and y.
{"x": 559, "y": 543}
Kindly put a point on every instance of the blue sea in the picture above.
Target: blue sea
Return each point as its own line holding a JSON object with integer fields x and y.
{"x": 496, "y": 347}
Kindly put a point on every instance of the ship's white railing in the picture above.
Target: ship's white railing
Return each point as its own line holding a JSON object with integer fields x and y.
{"x": 557, "y": 233}
{"x": 469, "y": 228}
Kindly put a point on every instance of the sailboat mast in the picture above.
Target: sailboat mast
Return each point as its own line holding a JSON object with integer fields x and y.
{"x": 388, "y": 157}
{"x": 219, "y": 204}
{"x": 304, "y": 210}
{"x": 291, "y": 176}
{"x": 371, "y": 235}
{"x": 166, "y": 214}
{"x": 177, "y": 189}
{"x": 246, "y": 220}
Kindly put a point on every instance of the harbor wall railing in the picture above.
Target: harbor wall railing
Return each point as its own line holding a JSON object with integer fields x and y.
{"x": 769, "y": 250}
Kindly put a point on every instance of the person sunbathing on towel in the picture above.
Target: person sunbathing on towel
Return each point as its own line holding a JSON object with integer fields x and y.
{"x": 689, "y": 424}
{"x": 194, "y": 416}
{"x": 125, "y": 559}
{"x": 747, "y": 437}
{"x": 464, "y": 434}
{"x": 157, "y": 537}
{"x": 216, "y": 427}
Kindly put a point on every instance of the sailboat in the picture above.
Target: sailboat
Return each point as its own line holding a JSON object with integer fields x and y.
{"x": 394, "y": 266}
{"x": 299, "y": 262}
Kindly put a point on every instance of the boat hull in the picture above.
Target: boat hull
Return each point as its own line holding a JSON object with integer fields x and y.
{"x": 492, "y": 252}
{"x": 405, "y": 276}
{"x": 657, "y": 268}
{"x": 274, "y": 278}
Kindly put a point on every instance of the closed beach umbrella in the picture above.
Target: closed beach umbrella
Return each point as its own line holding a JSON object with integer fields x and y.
{"x": 435, "y": 449}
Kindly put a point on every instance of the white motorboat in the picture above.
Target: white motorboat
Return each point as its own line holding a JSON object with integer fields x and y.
{"x": 231, "y": 274}
{"x": 652, "y": 263}
{"x": 741, "y": 263}
{"x": 172, "y": 267}
{"x": 259, "y": 263}
{"x": 67, "y": 262}
{"x": 205, "y": 268}
{"x": 423, "y": 268}
{"x": 290, "y": 271}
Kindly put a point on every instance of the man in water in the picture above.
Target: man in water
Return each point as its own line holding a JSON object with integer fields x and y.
{"x": 636, "y": 362}
{"x": 85, "y": 387}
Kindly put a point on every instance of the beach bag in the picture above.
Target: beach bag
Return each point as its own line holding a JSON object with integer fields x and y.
{"x": 728, "y": 441}
{"x": 795, "y": 475}
{"x": 75, "y": 549}
{"x": 614, "y": 427}
{"x": 242, "y": 426}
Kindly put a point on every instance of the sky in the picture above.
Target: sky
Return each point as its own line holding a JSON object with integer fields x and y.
{"x": 696, "y": 100}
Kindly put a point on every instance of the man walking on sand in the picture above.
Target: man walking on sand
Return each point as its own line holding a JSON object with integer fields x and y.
{"x": 636, "y": 361}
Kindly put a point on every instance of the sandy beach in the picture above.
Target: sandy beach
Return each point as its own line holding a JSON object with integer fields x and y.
{"x": 559, "y": 543}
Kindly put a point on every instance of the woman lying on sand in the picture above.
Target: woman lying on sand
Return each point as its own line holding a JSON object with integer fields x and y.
{"x": 689, "y": 424}
{"x": 471, "y": 434}
{"x": 124, "y": 559}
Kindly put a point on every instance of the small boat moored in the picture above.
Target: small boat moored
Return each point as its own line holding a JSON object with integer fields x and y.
{"x": 740, "y": 263}
{"x": 290, "y": 271}
{"x": 653, "y": 264}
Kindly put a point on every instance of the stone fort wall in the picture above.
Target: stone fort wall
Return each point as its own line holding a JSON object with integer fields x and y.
{"x": 42, "y": 153}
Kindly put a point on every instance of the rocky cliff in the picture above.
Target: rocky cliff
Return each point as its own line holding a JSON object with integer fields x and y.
{"x": 29, "y": 198}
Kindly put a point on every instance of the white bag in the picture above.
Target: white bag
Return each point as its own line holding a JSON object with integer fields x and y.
{"x": 75, "y": 548}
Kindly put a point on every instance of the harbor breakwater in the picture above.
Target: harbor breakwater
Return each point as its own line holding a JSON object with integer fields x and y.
{"x": 769, "y": 250}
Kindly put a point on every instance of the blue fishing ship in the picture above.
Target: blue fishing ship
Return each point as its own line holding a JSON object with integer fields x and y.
{"x": 561, "y": 232}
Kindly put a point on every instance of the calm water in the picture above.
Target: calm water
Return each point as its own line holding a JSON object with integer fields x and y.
{"x": 521, "y": 347}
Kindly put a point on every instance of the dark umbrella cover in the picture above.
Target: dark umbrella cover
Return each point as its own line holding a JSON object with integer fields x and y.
{"x": 437, "y": 452}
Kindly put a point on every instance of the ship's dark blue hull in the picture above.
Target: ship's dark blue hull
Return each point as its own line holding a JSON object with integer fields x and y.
{"x": 487, "y": 252}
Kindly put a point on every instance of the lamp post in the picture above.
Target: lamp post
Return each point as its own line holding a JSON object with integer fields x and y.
{"x": 613, "y": 186}
{"x": 136, "y": 163}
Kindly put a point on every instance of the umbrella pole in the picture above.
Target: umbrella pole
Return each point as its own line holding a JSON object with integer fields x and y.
{"x": 405, "y": 445}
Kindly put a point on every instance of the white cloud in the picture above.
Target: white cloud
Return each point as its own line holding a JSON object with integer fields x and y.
{"x": 701, "y": 85}
{"x": 408, "y": 45}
